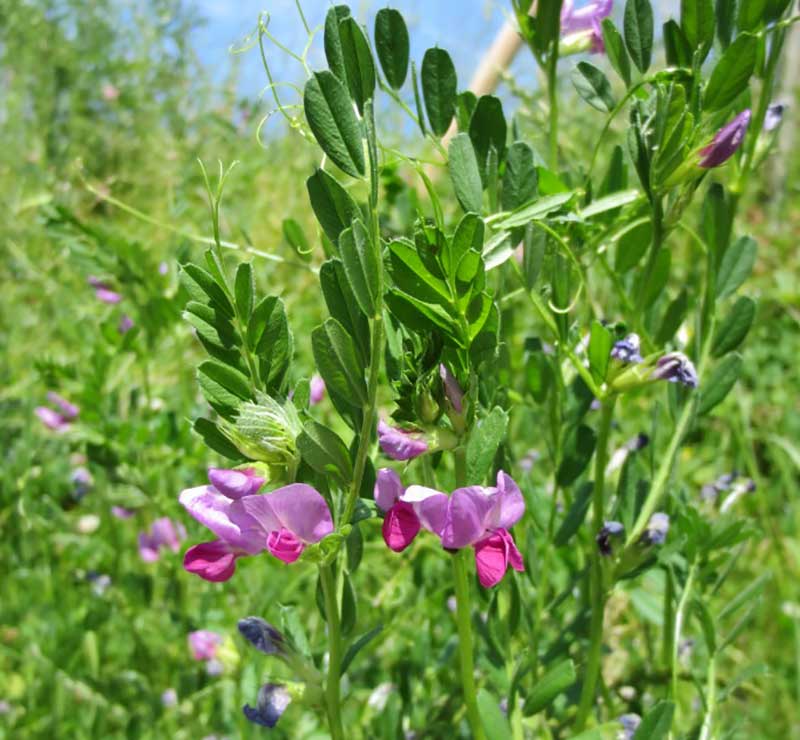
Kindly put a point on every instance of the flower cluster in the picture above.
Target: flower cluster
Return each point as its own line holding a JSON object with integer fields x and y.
{"x": 57, "y": 420}
{"x": 474, "y": 516}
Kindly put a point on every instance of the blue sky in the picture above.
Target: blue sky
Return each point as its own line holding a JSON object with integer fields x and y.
{"x": 464, "y": 27}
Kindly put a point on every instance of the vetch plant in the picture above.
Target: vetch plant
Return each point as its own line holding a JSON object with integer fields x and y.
{"x": 444, "y": 353}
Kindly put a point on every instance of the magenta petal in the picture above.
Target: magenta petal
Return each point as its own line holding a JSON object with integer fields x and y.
{"x": 235, "y": 483}
{"x": 430, "y": 506}
{"x": 467, "y": 516}
{"x": 51, "y": 419}
{"x": 400, "y": 526}
{"x": 284, "y": 545}
{"x": 302, "y": 510}
{"x": 491, "y": 559}
{"x": 316, "y": 390}
{"x": 514, "y": 555}
{"x": 107, "y": 296}
{"x": 508, "y": 503}
{"x": 388, "y": 488}
{"x": 227, "y": 519}
{"x": 203, "y": 644}
{"x": 399, "y": 444}
{"x": 213, "y": 561}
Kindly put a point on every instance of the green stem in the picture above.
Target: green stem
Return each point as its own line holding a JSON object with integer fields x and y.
{"x": 680, "y": 616}
{"x": 552, "y": 92}
{"x": 707, "y": 731}
{"x": 667, "y": 648}
{"x": 464, "y": 623}
{"x": 332, "y": 691}
{"x": 597, "y": 588}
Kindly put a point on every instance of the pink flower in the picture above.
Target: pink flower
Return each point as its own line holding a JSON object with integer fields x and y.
{"x": 109, "y": 92}
{"x": 58, "y": 421}
{"x": 102, "y": 292}
{"x": 317, "y": 389}
{"x": 68, "y": 410}
{"x": 284, "y": 521}
{"x": 203, "y": 644}
{"x": 477, "y": 517}
{"x": 401, "y": 524}
{"x": 121, "y": 513}
{"x": 586, "y": 17}
{"x": 452, "y": 390}
{"x": 163, "y": 533}
{"x": 400, "y": 444}
{"x": 125, "y": 324}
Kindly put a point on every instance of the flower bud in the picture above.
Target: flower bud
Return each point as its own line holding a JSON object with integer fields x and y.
{"x": 726, "y": 141}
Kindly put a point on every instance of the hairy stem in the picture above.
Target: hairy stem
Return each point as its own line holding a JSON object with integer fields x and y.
{"x": 597, "y": 589}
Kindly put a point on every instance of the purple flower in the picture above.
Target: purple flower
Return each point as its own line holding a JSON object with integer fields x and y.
{"x": 203, "y": 644}
{"x": 676, "y": 367}
{"x": 630, "y": 723}
{"x": 262, "y": 636}
{"x": 609, "y": 531}
{"x": 272, "y": 701}
{"x": 452, "y": 390}
{"x": 584, "y": 18}
{"x": 657, "y": 528}
{"x": 163, "y": 533}
{"x": 102, "y": 292}
{"x": 627, "y": 350}
{"x": 477, "y": 517}
{"x": 81, "y": 481}
{"x": 163, "y": 268}
{"x": 401, "y": 524}
{"x": 169, "y": 698}
{"x": 68, "y": 410}
{"x": 726, "y": 141}
{"x": 125, "y": 324}
{"x": 774, "y": 116}
{"x": 400, "y": 444}
{"x": 284, "y": 522}
{"x": 51, "y": 419}
{"x": 122, "y": 513}
{"x": 317, "y": 389}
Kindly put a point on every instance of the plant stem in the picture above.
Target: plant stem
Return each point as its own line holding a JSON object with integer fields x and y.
{"x": 706, "y": 733}
{"x": 597, "y": 589}
{"x": 552, "y": 93}
{"x": 680, "y": 616}
{"x": 332, "y": 694}
{"x": 464, "y": 623}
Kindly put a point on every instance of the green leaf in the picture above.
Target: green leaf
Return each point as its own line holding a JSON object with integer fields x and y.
{"x": 333, "y": 207}
{"x": 538, "y": 210}
{"x": 751, "y": 14}
{"x": 268, "y": 334}
{"x": 349, "y": 605}
{"x": 343, "y": 306}
{"x": 610, "y": 203}
{"x": 578, "y": 450}
{"x": 358, "y": 64}
{"x": 676, "y": 46}
{"x": 732, "y": 331}
{"x": 716, "y": 220}
{"x": 361, "y": 266}
{"x": 697, "y": 22}
{"x": 493, "y": 720}
{"x": 357, "y": 646}
{"x": 615, "y": 50}
{"x": 533, "y": 248}
{"x": 333, "y": 122}
{"x": 593, "y": 86}
{"x": 392, "y": 46}
{"x": 555, "y": 681}
{"x": 673, "y": 317}
{"x": 355, "y": 548}
{"x": 212, "y": 326}
{"x": 736, "y": 265}
{"x": 335, "y": 356}
{"x": 439, "y": 83}
{"x": 223, "y": 387}
{"x": 412, "y": 275}
{"x": 487, "y": 130}
{"x": 332, "y": 41}
{"x": 295, "y": 236}
{"x": 215, "y": 439}
{"x": 715, "y": 387}
{"x": 725, "y": 12}
{"x": 244, "y": 289}
{"x": 202, "y": 287}
{"x": 656, "y": 723}
{"x": 520, "y": 179}
{"x": 468, "y": 237}
{"x": 638, "y": 27}
{"x": 498, "y": 250}
{"x": 325, "y": 452}
{"x": 600, "y": 342}
{"x": 465, "y": 107}
{"x": 465, "y": 173}
{"x": 731, "y": 74}
{"x": 658, "y": 278}
{"x": 483, "y": 443}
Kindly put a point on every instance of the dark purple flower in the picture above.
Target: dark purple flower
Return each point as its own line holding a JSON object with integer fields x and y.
{"x": 272, "y": 701}
{"x": 262, "y": 636}
{"x": 400, "y": 444}
{"x": 452, "y": 390}
{"x": 609, "y": 531}
{"x": 630, "y": 723}
{"x": 774, "y": 116}
{"x": 627, "y": 350}
{"x": 726, "y": 141}
{"x": 81, "y": 482}
{"x": 676, "y": 367}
